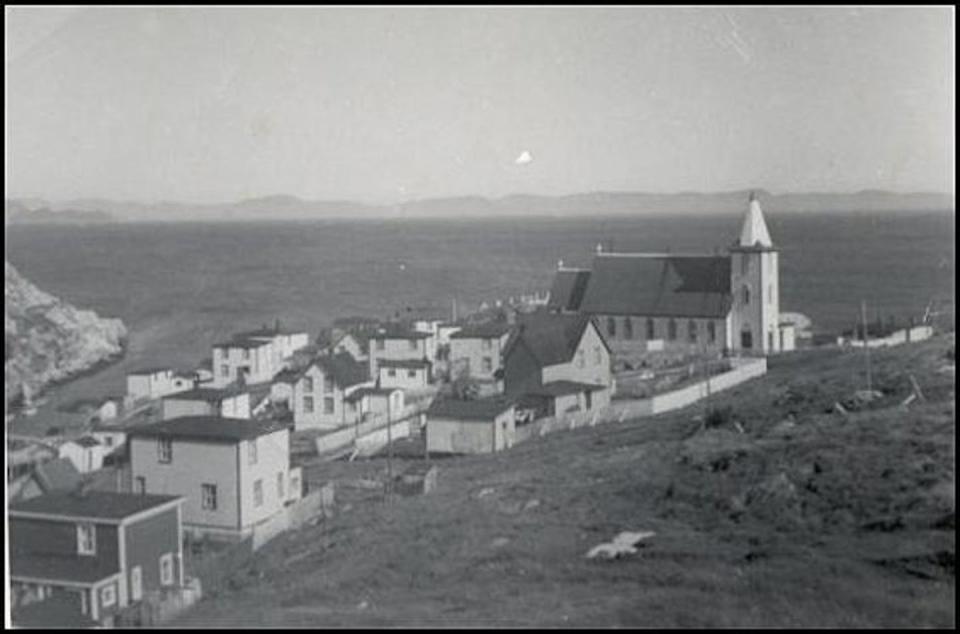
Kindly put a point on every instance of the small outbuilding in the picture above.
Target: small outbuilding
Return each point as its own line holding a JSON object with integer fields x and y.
{"x": 485, "y": 425}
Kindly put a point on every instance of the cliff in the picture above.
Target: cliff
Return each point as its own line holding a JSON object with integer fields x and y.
{"x": 47, "y": 340}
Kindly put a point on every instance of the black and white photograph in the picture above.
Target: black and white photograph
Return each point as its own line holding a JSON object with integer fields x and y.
{"x": 459, "y": 317}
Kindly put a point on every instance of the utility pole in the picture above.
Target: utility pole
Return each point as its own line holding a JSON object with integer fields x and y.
{"x": 866, "y": 342}
{"x": 389, "y": 452}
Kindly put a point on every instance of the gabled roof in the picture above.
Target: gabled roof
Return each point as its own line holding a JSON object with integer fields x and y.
{"x": 290, "y": 375}
{"x": 92, "y": 504}
{"x": 483, "y": 409}
{"x": 413, "y": 364}
{"x": 148, "y": 371}
{"x": 398, "y": 331}
{"x": 207, "y": 429}
{"x": 360, "y": 392}
{"x": 489, "y": 330}
{"x": 550, "y": 338}
{"x": 57, "y": 474}
{"x": 343, "y": 368}
{"x": 568, "y": 288}
{"x": 658, "y": 285}
{"x": 246, "y": 343}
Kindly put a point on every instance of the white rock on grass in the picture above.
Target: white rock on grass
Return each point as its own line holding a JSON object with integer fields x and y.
{"x": 623, "y": 544}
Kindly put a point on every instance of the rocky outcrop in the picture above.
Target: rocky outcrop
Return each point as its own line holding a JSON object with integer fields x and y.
{"x": 48, "y": 340}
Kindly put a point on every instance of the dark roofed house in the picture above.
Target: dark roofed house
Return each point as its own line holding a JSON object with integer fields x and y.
{"x": 58, "y": 474}
{"x": 476, "y": 351}
{"x": 316, "y": 393}
{"x": 82, "y": 556}
{"x": 207, "y": 401}
{"x": 567, "y": 290}
{"x": 484, "y": 425}
{"x": 399, "y": 342}
{"x": 409, "y": 374}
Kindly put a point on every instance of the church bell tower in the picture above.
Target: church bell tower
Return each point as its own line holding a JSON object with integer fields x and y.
{"x": 755, "y": 286}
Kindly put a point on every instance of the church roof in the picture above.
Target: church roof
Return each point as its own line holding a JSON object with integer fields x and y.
{"x": 754, "y": 231}
{"x": 567, "y": 290}
{"x": 658, "y": 285}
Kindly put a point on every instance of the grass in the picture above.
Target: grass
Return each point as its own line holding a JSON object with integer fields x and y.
{"x": 807, "y": 519}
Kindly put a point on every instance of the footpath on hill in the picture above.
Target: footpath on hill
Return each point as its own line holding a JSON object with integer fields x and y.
{"x": 775, "y": 508}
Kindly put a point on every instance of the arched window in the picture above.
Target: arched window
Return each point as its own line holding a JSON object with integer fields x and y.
{"x": 628, "y": 328}
{"x": 651, "y": 334}
{"x": 611, "y": 326}
{"x": 692, "y": 330}
{"x": 746, "y": 295}
{"x": 672, "y": 329}
{"x": 711, "y": 331}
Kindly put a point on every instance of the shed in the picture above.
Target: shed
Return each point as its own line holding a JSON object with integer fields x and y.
{"x": 483, "y": 425}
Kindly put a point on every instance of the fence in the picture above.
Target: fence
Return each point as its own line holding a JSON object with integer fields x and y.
{"x": 368, "y": 436}
{"x": 743, "y": 370}
{"x": 293, "y": 516}
{"x": 917, "y": 333}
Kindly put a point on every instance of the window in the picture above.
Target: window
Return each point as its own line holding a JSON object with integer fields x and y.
{"x": 246, "y": 354}
{"x": 651, "y": 334}
{"x": 140, "y": 485}
{"x": 108, "y": 441}
{"x": 136, "y": 583}
{"x": 770, "y": 340}
{"x": 411, "y": 374}
{"x": 391, "y": 372}
{"x": 487, "y": 364}
{"x": 308, "y": 404}
{"x": 86, "y": 539}
{"x": 252, "y": 452}
{"x": 711, "y": 331}
{"x": 628, "y": 328}
{"x": 611, "y": 326}
{"x": 165, "y": 450}
{"x": 308, "y": 384}
{"x": 597, "y": 356}
{"x": 328, "y": 405}
{"x": 672, "y": 329}
{"x": 280, "y": 485}
{"x": 108, "y": 595}
{"x": 258, "y": 493}
{"x": 744, "y": 265}
{"x": 413, "y": 344}
{"x": 224, "y": 370}
{"x": 581, "y": 361}
{"x": 208, "y": 497}
{"x": 487, "y": 344}
{"x": 746, "y": 295}
{"x": 692, "y": 330}
{"x": 381, "y": 344}
{"x": 166, "y": 569}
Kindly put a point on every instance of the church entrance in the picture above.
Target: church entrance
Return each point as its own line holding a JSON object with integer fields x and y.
{"x": 746, "y": 340}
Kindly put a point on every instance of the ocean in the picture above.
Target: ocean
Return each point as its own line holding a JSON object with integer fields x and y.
{"x": 181, "y": 286}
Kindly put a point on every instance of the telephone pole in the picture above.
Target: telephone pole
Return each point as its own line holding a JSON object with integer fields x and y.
{"x": 866, "y": 342}
{"x": 389, "y": 452}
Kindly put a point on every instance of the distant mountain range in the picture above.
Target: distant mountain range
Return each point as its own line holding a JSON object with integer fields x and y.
{"x": 33, "y": 210}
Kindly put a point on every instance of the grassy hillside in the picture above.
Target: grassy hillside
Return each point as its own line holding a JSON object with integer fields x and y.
{"x": 806, "y": 518}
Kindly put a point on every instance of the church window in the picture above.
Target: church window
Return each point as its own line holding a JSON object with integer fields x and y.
{"x": 651, "y": 334}
{"x": 611, "y": 326}
{"x": 711, "y": 331}
{"x": 628, "y": 328}
{"x": 672, "y": 329}
{"x": 746, "y": 295}
{"x": 692, "y": 330}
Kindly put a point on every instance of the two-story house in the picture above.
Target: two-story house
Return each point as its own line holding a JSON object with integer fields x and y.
{"x": 93, "y": 550}
{"x": 477, "y": 351}
{"x": 406, "y": 374}
{"x": 559, "y": 359}
{"x": 317, "y": 392}
{"x": 234, "y": 473}
{"x": 150, "y": 383}
{"x": 244, "y": 360}
{"x": 399, "y": 343}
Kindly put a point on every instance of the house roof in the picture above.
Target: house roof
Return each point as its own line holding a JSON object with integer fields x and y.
{"x": 360, "y": 392}
{"x": 567, "y": 290}
{"x": 246, "y": 343}
{"x": 658, "y": 285}
{"x": 207, "y": 428}
{"x": 398, "y": 331}
{"x": 560, "y": 388}
{"x": 360, "y": 336}
{"x": 87, "y": 441}
{"x": 344, "y": 369}
{"x": 418, "y": 364}
{"x": 149, "y": 370}
{"x": 289, "y": 375}
{"x": 93, "y": 504}
{"x": 268, "y": 332}
{"x": 205, "y": 394}
{"x": 489, "y": 330}
{"x": 73, "y": 568}
{"x": 550, "y": 338}
{"x": 60, "y": 611}
{"x": 484, "y": 409}
{"x": 56, "y": 474}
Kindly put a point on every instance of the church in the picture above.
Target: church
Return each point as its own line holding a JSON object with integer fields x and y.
{"x": 646, "y": 303}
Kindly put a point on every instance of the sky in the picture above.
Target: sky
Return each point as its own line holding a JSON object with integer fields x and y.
{"x": 390, "y": 104}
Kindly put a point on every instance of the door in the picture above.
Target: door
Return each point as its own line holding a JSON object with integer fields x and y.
{"x": 136, "y": 583}
{"x": 746, "y": 340}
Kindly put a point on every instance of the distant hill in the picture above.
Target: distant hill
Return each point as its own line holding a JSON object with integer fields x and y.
{"x": 284, "y": 207}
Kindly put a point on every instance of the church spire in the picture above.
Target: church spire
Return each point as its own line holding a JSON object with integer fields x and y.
{"x": 754, "y": 230}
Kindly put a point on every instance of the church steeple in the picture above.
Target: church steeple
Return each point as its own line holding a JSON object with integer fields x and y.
{"x": 753, "y": 232}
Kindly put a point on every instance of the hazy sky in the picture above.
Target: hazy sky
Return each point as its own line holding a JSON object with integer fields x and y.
{"x": 396, "y": 103}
